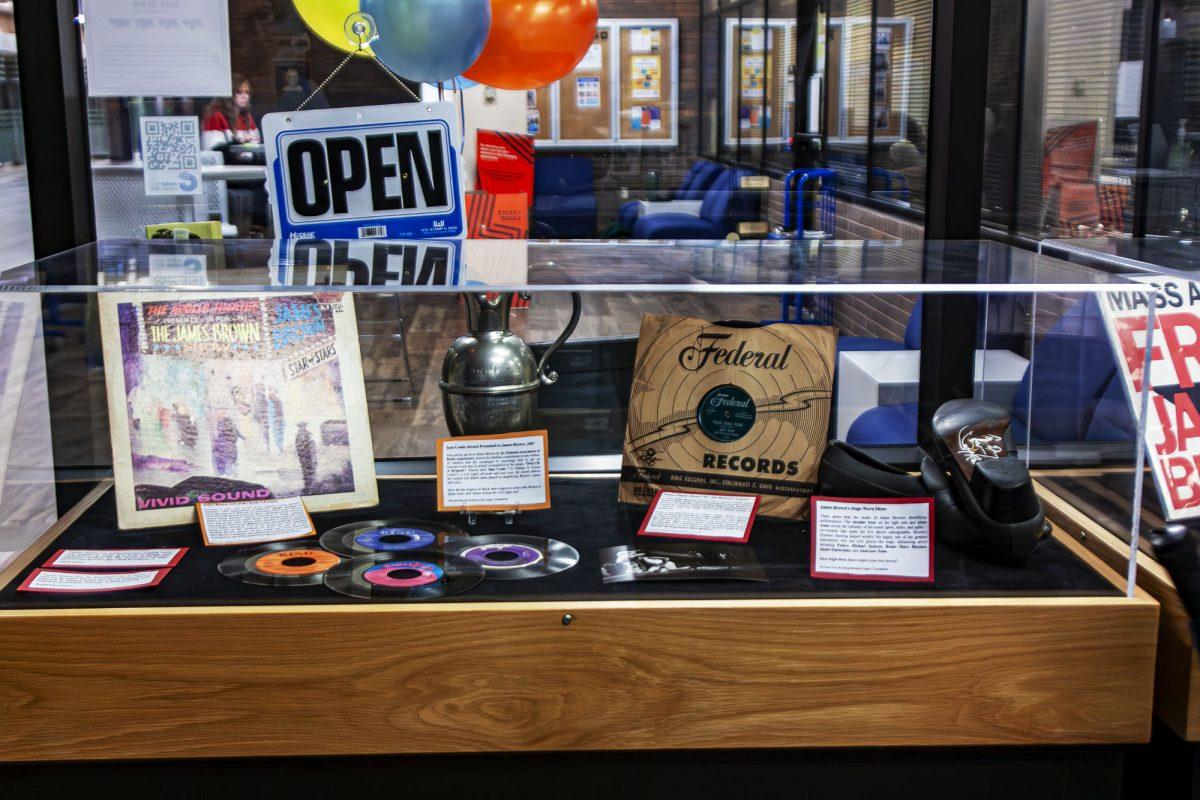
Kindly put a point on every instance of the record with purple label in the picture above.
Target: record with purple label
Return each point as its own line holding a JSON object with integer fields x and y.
{"x": 419, "y": 575}
{"x": 514, "y": 558}
{"x": 389, "y": 536}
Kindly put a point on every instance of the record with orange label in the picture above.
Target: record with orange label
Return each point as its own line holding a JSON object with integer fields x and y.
{"x": 295, "y": 563}
{"x": 729, "y": 407}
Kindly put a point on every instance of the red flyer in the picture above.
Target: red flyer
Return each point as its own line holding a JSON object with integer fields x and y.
{"x": 497, "y": 216}
{"x": 505, "y": 163}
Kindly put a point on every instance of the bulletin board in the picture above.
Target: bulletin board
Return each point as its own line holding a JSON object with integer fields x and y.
{"x": 648, "y": 88}
{"x": 756, "y": 79}
{"x": 585, "y": 95}
{"x": 892, "y": 51}
{"x": 631, "y": 69}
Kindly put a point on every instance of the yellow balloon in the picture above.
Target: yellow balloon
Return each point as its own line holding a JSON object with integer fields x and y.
{"x": 327, "y": 19}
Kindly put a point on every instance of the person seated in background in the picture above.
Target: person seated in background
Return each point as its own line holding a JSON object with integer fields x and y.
{"x": 228, "y": 123}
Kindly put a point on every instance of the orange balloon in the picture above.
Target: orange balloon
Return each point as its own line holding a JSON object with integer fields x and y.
{"x": 534, "y": 42}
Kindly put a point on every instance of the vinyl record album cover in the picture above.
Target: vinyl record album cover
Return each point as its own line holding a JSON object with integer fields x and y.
{"x": 734, "y": 408}
{"x": 234, "y": 397}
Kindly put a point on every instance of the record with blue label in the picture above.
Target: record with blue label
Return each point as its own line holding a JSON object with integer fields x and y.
{"x": 389, "y": 536}
{"x": 421, "y": 575}
{"x": 513, "y": 558}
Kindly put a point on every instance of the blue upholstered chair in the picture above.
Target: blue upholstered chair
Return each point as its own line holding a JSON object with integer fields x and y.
{"x": 697, "y": 181}
{"x": 564, "y": 196}
{"x": 725, "y": 205}
{"x": 1077, "y": 394}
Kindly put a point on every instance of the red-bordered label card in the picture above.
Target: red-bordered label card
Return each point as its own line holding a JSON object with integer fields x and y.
{"x": 148, "y": 558}
{"x": 702, "y": 517}
{"x": 873, "y": 539}
{"x": 54, "y": 581}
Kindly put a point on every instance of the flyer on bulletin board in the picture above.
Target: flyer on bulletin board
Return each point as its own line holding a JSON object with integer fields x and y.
{"x": 647, "y": 77}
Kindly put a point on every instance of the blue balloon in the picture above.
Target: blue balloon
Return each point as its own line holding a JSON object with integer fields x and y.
{"x": 430, "y": 40}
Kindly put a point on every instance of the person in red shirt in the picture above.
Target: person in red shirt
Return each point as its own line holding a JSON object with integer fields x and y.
{"x": 226, "y": 123}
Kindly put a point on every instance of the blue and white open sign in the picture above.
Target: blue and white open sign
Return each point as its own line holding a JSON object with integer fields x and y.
{"x": 377, "y": 172}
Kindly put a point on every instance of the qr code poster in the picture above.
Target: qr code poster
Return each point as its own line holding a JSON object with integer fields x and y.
{"x": 171, "y": 155}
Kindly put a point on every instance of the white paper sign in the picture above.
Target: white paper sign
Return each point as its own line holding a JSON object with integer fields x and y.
{"x": 46, "y": 580}
{"x": 151, "y": 48}
{"x": 708, "y": 517}
{"x": 587, "y": 92}
{"x": 171, "y": 156}
{"x": 254, "y": 522}
{"x": 1173, "y": 423}
{"x": 493, "y": 473}
{"x": 117, "y": 559}
{"x": 593, "y": 61}
{"x": 879, "y": 540}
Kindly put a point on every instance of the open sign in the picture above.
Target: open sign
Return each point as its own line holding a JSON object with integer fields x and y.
{"x": 322, "y": 262}
{"x": 378, "y": 172}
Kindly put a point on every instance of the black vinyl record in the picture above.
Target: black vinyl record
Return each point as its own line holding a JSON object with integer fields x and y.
{"x": 420, "y": 575}
{"x": 514, "y": 558}
{"x": 294, "y": 563}
{"x": 389, "y": 536}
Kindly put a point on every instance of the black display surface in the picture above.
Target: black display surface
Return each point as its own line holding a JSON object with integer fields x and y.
{"x": 586, "y": 515}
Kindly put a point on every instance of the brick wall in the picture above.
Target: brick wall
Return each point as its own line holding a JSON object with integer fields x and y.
{"x": 883, "y": 316}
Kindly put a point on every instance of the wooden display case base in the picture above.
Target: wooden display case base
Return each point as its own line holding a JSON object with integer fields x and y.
{"x": 1177, "y": 678}
{"x": 622, "y": 675}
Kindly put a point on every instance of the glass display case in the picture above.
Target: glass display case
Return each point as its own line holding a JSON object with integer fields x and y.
{"x": 142, "y": 378}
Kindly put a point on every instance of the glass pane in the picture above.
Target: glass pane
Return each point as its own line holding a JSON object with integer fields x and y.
{"x": 900, "y": 100}
{"x": 1002, "y": 124}
{"x": 1173, "y": 199}
{"x": 1080, "y": 107}
{"x": 847, "y": 91}
{"x": 16, "y": 236}
{"x": 793, "y": 60}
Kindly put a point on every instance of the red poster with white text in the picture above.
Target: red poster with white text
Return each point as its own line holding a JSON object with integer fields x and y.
{"x": 1173, "y": 421}
{"x": 504, "y": 162}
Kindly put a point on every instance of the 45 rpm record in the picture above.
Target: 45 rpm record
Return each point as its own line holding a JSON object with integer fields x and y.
{"x": 420, "y": 575}
{"x": 389, "y": 536}
{"x": 514, "y": 558}
{"x": 295, "y": 563}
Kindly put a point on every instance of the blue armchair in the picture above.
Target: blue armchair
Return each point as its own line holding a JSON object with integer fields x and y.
{"x": 699, "y": 178}
{"x": 564, "y": 197}
{"x": 725, "y": 205}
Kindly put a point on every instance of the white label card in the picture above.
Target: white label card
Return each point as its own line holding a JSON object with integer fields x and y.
{"x": 708, "y": 517}
{"x": 48, "y": 580}
{"x": 254, "y": 522}
{"x": 877, "y": 540}
{"x": 117, "y": 559}
{"x": 508, "y": 472}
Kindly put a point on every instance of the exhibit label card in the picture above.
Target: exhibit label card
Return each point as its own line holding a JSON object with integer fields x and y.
{"x": 706, "y": 517}
{"x": 160, "y": 558}
{"x": 504, "y": 472}
{"x": 872, "y": 540}
{"x": 53, "y": 581}
{"x": 254, "y": 522}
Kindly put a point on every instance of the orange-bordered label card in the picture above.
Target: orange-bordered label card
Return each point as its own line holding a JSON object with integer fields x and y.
{"x": 703, "y": 517}
{"x": 501, "y": 472}
{"x": 254, "y": 521}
